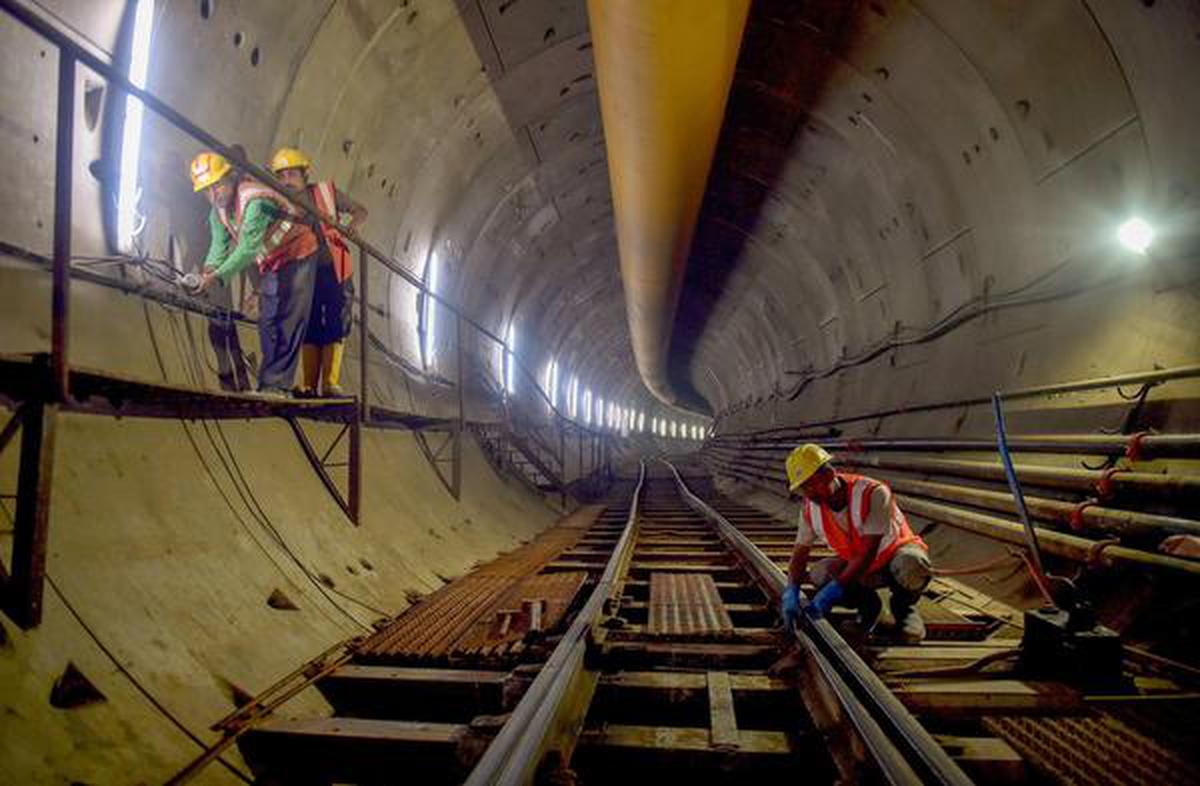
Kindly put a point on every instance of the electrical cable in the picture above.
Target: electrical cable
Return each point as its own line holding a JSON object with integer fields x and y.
{"x": 979, "y": 305}
{"x": 138, "y": 686}
{"x": 234, "y": 473}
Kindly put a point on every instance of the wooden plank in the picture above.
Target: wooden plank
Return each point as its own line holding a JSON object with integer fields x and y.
{"x": 689, "y": 680}
{"x": 324, "y": 750}
{"x": 683, "y": 740}
{"x": 722, "y": 719}
{"x": 988, "y": 759}
{"x": 689, "y": 654}
{"x": 985, "y": 697}
{"x": 444, "y": 695}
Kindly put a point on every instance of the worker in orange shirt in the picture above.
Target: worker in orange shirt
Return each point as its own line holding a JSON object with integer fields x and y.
{"x": 333, "y": 294}
{"x": 874, "y": 545}
{"x": 251, "y": 224}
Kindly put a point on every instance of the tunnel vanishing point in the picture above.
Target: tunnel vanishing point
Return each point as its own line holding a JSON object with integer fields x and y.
{"x": 596, "y": 391}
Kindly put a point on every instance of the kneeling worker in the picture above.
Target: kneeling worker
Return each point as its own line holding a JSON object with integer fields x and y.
{"x": 321, "y": 355}
{"x": 874, "y": 543}
{"x": 251, "y": 223}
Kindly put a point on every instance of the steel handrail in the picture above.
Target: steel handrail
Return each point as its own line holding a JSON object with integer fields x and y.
{"x": 514, "y": 754}
{"x": 79, "y": 54}
{"x": 903, "y": 749}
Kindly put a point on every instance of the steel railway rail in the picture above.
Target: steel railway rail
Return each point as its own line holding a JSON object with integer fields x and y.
{"x": 545, "y": 724}
{"x": 662, "y": 667}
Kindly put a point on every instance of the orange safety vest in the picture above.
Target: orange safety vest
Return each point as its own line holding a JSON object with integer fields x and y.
{"x": 286, "y": 240}
{"x": 324, "y": 196}
{"x": 848, "y": 543}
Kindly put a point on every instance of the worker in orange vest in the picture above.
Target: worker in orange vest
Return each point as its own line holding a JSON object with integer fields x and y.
{"x": 251, "y": 224}
{"x": 321, "y": 355}
{"x": 875, "y": 546}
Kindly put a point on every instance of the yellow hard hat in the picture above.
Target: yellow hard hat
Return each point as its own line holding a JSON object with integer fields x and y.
{"x": 289, "y": 158}
{"x": 803, "y": 462}
{"x": 207, "y": 169}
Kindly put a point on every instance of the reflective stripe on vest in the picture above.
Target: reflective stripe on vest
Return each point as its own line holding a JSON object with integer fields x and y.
{"x": 278, "y": 231}
{"x": 848, "y": 543}
{"x": 324, "y": 197}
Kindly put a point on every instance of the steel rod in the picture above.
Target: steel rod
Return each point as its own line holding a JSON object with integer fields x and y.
{"x": 64, "y": 158}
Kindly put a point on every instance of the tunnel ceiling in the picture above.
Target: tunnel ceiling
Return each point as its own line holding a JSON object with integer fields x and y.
{"x": 881, "y": 165}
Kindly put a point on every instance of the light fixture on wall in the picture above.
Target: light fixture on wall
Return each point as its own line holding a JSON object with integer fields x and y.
{"x": 428, "y": 320}
{"x": 510, "y": 359}
{"x": 129, "y": 220}
{"x": 1136, "y": 234}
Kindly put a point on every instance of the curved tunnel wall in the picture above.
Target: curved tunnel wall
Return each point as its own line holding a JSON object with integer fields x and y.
{"x": 940, "y": 152}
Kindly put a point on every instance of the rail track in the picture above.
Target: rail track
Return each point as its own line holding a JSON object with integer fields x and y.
{"x": 637, "y": 641}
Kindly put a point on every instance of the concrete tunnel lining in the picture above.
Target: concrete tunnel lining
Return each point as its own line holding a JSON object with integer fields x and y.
{"x": 883, "y": 166}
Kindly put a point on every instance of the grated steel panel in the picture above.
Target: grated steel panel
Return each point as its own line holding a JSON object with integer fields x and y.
{"x": 686, "y": 604}
{"x": 1094, "y": 750}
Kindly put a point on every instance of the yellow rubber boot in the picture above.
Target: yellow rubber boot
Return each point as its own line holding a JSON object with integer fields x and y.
{"x": 331, "y": 369}
{"x": 310, "y": 368}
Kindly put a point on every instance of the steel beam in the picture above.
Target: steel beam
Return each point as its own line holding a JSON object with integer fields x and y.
{"x": 60, "y": 298}
{"x": 23, "y": 590}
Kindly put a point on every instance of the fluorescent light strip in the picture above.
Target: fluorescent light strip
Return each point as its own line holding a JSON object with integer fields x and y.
{"x": 128, "y": 187}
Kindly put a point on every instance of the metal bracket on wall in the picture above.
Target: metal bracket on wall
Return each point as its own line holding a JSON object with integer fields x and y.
{"x": 321, "y": 464}
{"x": 21, "y": 590}
{"x": 440, "y": 458}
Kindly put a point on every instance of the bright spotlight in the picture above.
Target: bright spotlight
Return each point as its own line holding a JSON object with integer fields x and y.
{"x": 1136, "y": 235}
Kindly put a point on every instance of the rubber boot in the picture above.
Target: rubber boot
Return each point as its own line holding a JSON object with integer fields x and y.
{"x": 310, "y": 370}
{"x": 331, "y": 369}
{"x": 869, "y": 609}
{"x": 910, "y": 628}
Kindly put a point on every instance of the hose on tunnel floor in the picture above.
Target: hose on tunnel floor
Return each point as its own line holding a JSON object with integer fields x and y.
{"x": 1033, "y": 559}
{"x": 137, "y": 685}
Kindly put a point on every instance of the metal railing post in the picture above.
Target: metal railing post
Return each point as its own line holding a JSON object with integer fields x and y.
{"x": 60, "y": 328}
{"x": 364, "y": 334}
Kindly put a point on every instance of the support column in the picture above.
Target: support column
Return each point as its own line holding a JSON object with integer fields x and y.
{"x": 60, "y": 298}
{"x": 24, "y": 591}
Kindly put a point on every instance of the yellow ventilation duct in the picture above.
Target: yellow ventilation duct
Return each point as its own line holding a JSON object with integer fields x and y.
{"x": 664, "y": 68}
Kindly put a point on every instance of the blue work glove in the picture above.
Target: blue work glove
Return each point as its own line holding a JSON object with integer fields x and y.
{"x": 791, "y": 606}
{"x": 830, "y": 594}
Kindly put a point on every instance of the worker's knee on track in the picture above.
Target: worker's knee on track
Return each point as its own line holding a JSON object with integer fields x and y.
{"x": 911, "y": 570}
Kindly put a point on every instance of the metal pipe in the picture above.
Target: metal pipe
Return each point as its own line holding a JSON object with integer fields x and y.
{"x": 1119, "y": 522}
{"x": 664, "y": 68}
{"x": 1147, "y": 446}
{"x": 1057, "y": 543}
{"x": 1180, "y": 488}
{"x": 1103, "y": 483}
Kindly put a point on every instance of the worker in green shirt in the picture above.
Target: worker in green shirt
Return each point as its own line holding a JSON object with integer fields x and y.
{"x": 251, "y": 224}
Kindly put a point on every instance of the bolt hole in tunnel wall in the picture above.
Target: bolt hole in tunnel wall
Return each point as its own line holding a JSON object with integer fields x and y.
{"x": 911, "y": 201}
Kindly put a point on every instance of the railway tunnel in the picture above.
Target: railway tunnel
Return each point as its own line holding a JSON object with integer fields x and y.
{"x": 620, "y": 258}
